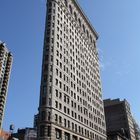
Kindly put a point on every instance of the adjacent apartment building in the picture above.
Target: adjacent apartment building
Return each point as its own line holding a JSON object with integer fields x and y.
{"x": 5, "y": 67}
{"x": 71, "y": 105}
{"x": 119, "y": 119}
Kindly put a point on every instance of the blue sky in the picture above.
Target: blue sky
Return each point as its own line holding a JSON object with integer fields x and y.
{"x": 22, "y": 28}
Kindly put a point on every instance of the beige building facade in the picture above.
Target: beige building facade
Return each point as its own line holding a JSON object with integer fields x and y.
{"x": 71, "y": 105}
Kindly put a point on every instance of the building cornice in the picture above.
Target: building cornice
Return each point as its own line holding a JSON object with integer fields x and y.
{"x": 85, "y": 18}
{"x": 77, "y": 5}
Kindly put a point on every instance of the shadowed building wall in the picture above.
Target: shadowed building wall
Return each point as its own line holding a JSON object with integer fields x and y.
{"x": 119, "y": 118}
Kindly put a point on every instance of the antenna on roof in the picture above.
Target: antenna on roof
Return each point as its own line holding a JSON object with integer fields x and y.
{"x": 12, "y": 128}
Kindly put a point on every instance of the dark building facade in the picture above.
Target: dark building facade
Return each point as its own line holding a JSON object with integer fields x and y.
{"x": 137, "y": 130}
{"x": 5, "y": 68}
{"x": 116, "y": 136}
{"x": 71, "y": 105}
{"x": 25, "y": 134}
{"x": 119, "y": 118}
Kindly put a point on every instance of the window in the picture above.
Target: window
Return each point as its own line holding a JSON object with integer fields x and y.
{"x": 74, "y": 137}
{"x": 49, "y": 101}
{"x": 66, "y": 2}
{"x": 79, "y": 22}
{"x": 43, "y": 115}
{"x": 49, "y": 116}
{"x": 87, "y": 34}
{"x": 57, "y": 62}
{"x": 49, "y": 131}
{"x": 60, "y": 119}
{"x": 68, "y": 124}
{"x": 56, "y": 104}
{"x": 75, "y": 16}
{"x": 75, "y": 127}
{"x": 65, "y": 98}
{"x": 44, "y": 89}
{"x": 58, "y": 133}
{"x": 70, "y": 8}
{"x": 72, "y": 126}
{"x": 83, "y": 28}
{"x": 67, "y": 136}
{"x": 56, "y": 82}
{"x": 56, "y": 93}
{"x": 50, "y": 78}
{"x": 43, "y": 102}
{"x": 90, "y": 38}
{"x": 42, "y": 130}
{"x": 60, "y": 95}
{"x": 56, "y": 117}
{"x": 64, "y": 109}
{"x": 65, "y": 123}
{"x": 60, "y": 106}
{"x": 60, "y": 84}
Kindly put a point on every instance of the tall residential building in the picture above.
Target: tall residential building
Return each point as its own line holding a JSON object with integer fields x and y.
{"x": 119, "y": 118}
{"x": 5, "y": 67}
{"x": 71, "y": 105}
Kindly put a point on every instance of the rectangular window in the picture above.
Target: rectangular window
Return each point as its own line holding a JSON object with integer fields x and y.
{"x": 65, "y": 123}
{"x": 56, "y": 117}
{"x": 74, "y": 137}
{"x": 64, "y": 109}
{"x": 42, "y": 128}
{"x": 44, "y": 90}
{"x": 60, "y": 106}
{"x": 60, "y": 119}
{"x": 43, "y": 101}
{"x": 43, "y": 115}
{"x": 67, "y": 136}
{"x": 56, "y": 104}
{"x": 58, "y": 134}
{"x": 56, "y": 93}
{"x": 49, "y": 131}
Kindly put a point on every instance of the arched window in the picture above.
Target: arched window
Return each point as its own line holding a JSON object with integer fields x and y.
{"x": 70, "y": 8}
{"x": 66, "y": 2}
{"x": 75, "y": 15}
{"x": 79, "y": 22}
{"x": 90, "y": 38}
{"x": 87, "y": 33}
{"x": 84, "y": 28}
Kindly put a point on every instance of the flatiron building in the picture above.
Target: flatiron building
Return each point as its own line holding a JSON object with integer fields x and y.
{"x": 71, "y": 105}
